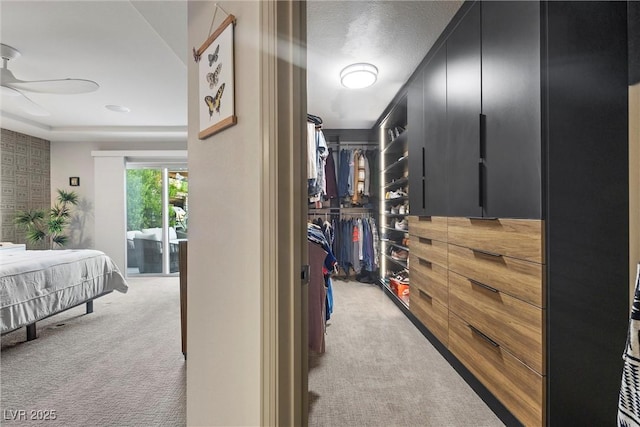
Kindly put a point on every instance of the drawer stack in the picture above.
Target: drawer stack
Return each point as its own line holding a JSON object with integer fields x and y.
{"x": 428, "y": 272}
{"x": 495, "y": 305}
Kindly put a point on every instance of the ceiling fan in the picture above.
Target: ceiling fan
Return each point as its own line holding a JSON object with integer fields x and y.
{"x": 14, "y": 87}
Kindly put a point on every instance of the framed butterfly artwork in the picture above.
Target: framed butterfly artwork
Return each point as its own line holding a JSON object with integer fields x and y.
{"x": 216, "y": 82}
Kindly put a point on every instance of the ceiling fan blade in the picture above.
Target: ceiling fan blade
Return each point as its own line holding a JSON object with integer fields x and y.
{"x": 23, "y": 102}
{"x": 60, "y": 86}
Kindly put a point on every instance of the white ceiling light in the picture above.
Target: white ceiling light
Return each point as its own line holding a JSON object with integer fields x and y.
{"x": 357, "y": 76}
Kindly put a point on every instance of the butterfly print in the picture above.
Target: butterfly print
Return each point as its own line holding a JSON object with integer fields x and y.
{"x": 218, "y": 98}
{"x": 196, "y": 56}
{"x": 209, "y": 101}
{"x": 213, "y": 57}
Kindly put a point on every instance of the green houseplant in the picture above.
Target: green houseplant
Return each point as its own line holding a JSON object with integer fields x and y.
{"x": 49, "y": 226}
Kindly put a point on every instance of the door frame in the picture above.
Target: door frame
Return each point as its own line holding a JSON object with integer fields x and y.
{"x": 284, "y": 296}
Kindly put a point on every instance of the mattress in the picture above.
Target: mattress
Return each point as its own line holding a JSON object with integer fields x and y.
{"x": 37, "y": 284}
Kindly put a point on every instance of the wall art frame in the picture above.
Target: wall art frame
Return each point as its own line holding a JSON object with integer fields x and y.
{"x": 216, "y": 80}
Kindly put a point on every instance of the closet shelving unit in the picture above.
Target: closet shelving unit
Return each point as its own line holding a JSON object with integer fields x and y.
{"x": 394, "y": 176}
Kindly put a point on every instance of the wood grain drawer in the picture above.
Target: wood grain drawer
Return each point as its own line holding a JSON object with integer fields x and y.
{"x": 429, "y": 250}
{"x": 431, "y": 313}
{"x": 517, "y": 386}
{"x": 430, "y": 277}
{"x": 512, "y": 323}
{"x": 429, "y": 227}
{"x": 515, "y": 238}
{"x": 516, "y": 277}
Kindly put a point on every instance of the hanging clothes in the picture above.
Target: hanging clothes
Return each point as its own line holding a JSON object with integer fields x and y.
{"x": 629, "y": 398}
{"x": 330, "y": 174}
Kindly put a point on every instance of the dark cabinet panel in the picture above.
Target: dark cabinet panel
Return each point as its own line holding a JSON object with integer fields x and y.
{"x": 415, "y": 131}
{"x": 463, "y": 109}
{"x": 511, "y": 106}
{"x": 436, "y": 142}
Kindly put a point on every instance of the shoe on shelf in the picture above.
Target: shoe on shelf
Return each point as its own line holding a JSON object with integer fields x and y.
{"x": 401, "y": 225}
{"x": 393, "y": 223}
{"x": 394, "y": 210}
{"x": 396, "y": 194}
{"x": 399, "y": 254}
{"x": 402, "y": 210}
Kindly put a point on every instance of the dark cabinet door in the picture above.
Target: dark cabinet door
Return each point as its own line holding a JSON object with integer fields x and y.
{"x": 463, "y": 115}
{"x": 511, "y": 105}
{"x": 415, "y": 134}
{"x": 435, "y": 129}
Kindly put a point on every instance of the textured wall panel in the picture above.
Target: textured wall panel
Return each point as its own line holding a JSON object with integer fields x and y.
{"x": 25, "y": 179}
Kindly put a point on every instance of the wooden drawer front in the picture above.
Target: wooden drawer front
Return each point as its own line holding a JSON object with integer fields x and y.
{"x": 431, "y": 313}
{"x": 515, "y": 238}
{"x": 518, "y": 278}
{"x": 429, "y": 250}
{"x": 431, "y": 278}
{"x": 519, "y": 388}
{"x": 430, "y": 227}
{"x": 512, "y": 323}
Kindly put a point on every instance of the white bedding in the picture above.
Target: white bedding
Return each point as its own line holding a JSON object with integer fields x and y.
{"x": 36, "y": 284}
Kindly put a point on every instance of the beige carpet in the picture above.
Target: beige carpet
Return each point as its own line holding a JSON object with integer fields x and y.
{"x": 119, "y": 366}
{"x": 379, "y": 370}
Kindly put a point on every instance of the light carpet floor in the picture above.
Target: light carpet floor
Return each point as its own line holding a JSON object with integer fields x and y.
{"x": 379, "y": 370}
{"x": 122, "y": 365}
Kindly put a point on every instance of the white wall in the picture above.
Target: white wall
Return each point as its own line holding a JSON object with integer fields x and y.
{"x": 224, "y": 318}
{"x": 74, "y": 159}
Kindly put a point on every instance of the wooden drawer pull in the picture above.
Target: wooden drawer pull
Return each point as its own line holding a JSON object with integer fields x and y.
{"x": 482, "y": 285}
{"x": 493, "y": 254}
{"x": 483, "y": 336}
{"x": 424, "y": 294}
{"x": 424, "y": 262}
{"x": 425, "y": 241}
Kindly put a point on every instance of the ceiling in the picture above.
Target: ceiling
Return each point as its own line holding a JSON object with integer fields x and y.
{"x": 137, "y": 51}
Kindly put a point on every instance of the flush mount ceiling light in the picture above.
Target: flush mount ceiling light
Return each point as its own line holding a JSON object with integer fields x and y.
{"x": 357, "y": 76}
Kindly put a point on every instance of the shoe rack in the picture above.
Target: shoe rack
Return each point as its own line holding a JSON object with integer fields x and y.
{"x": 394, "y": 204}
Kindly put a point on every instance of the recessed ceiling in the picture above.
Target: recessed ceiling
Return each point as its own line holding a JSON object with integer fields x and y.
{"x": 137, "y": 52}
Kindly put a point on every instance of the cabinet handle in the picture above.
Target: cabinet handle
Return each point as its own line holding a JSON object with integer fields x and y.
{"x": 483, "y": 135}
{"x": 423, "y": 194}
{"x": 423, "y": 165}
{"x": 424, "y": 262}
{"x": 482, "y": 285}
{"x": 425, "y": 241}
{"x": 484, "y": 218}
{"x": 483, "y": 336}
{"x": 480, "y": 183}
{"x": 424, "y": 294}
{"x": 493, "y": 254}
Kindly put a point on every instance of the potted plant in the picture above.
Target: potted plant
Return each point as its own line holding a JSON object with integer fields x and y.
{"x": 41, "y": 225}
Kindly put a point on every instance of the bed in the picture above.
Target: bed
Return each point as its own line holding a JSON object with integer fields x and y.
{"x": 38, "y": 284}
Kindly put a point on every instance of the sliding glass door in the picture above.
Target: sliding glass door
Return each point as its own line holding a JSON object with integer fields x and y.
{"x": 157, "y": 217}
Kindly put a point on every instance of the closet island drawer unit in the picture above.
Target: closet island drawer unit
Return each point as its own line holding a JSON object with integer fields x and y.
{"x": 428, "y": 249}
{"x": 517, "y": 386}
{"x": 430, "y": 312}
{"x": 512, "y": 323}
{"x": 429, "y": 227}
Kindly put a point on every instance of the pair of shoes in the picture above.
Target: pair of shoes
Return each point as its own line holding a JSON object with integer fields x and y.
{"x": 399, "y": 254}
{"x": 396, "y": 194}
{"x": 401, "y": 225}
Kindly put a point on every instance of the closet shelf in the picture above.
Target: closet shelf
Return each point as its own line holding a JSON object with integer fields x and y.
{"x": 393, "y": 229}
{"x": 400, "y": 263}
{"x": 397, "y": 183}
{"x": 390, "y": 215}
{"x": 392, "y": 243}
{"x": 400, "y": 141}
{"x": 397, "y": 199}
{"x": 385, "y": 284}
{"x": 401, "y": 161}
